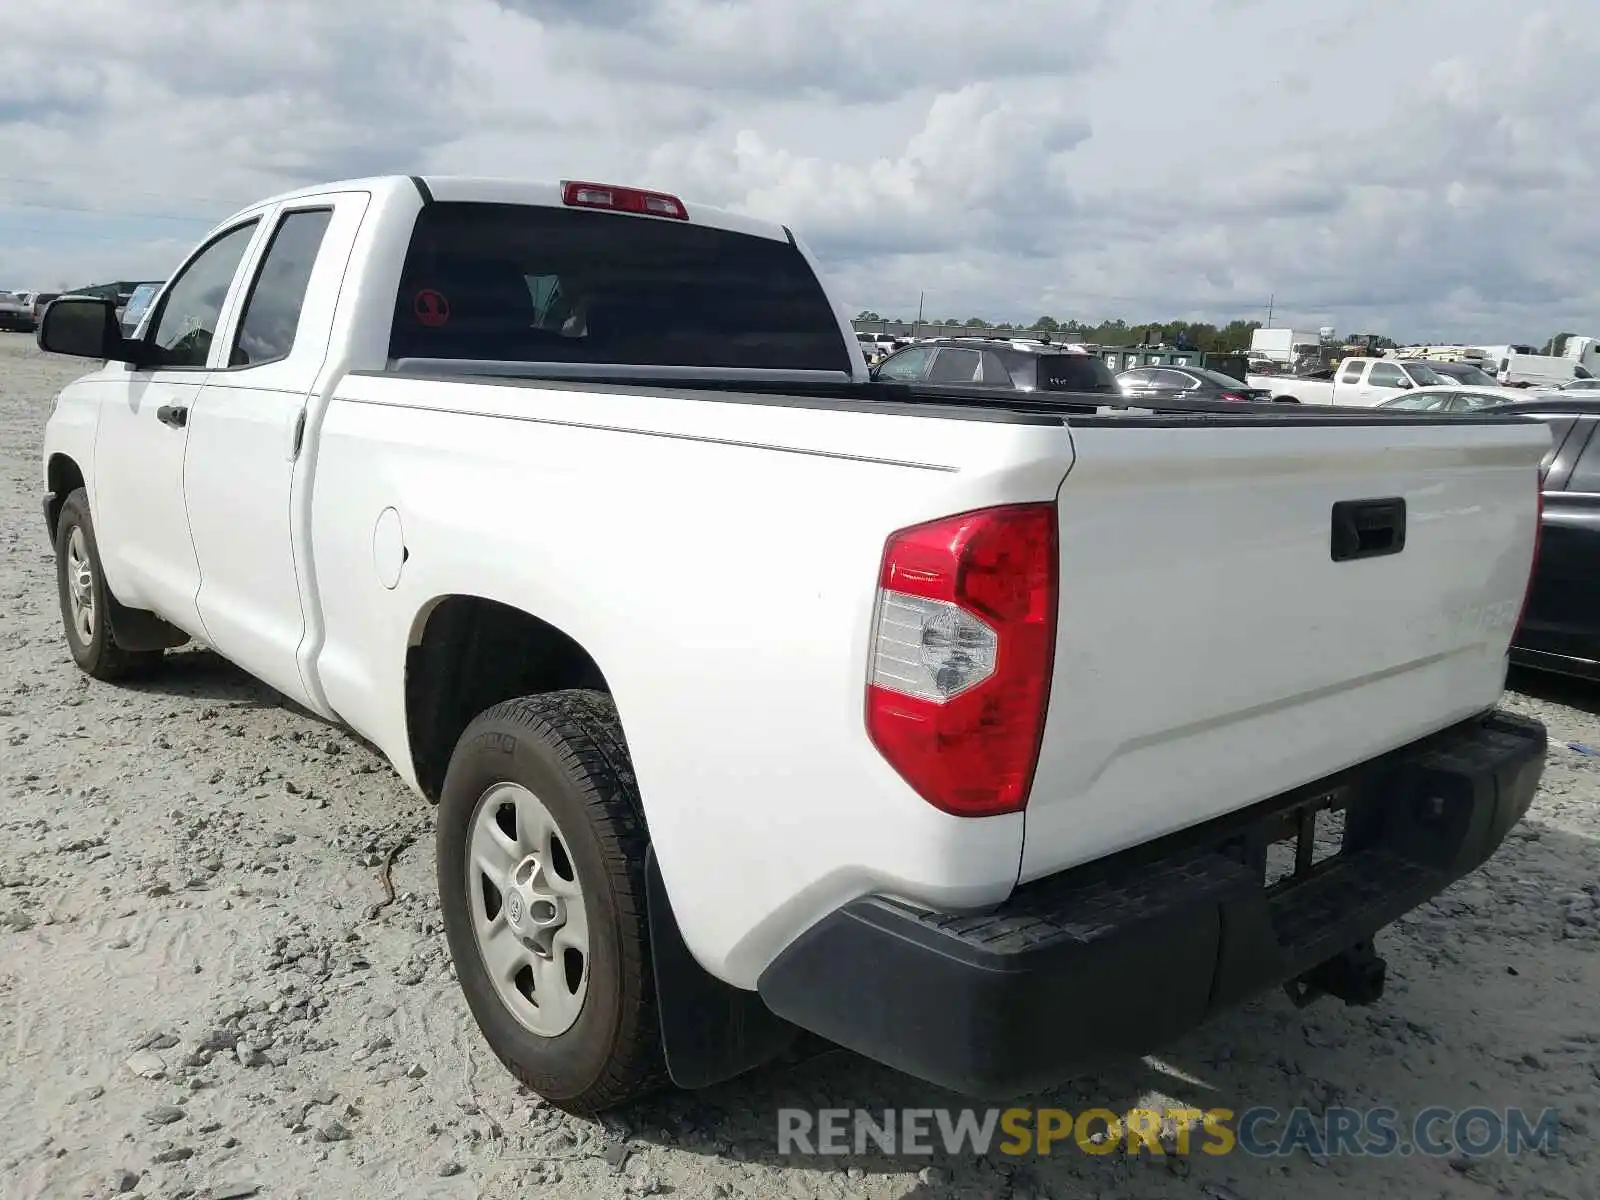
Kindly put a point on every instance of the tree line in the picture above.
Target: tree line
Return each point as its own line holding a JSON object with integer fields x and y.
{"x": 1199, "y": 335}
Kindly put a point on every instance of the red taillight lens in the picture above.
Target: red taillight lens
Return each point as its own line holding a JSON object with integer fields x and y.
{"x": 1533, "y": 565}
{"x": 1234, "y": 396}
{"x": 962, "y": 655}
{"x": 622, "y": 199}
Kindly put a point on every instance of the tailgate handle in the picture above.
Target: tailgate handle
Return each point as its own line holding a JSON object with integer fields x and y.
{"x": 1368, "y": 528}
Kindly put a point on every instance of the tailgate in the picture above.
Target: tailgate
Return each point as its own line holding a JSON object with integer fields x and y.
{"x": 1213, "y": 651}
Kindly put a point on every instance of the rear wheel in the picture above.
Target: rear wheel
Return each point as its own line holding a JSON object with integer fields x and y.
{"x": 86, "y": 600}
{"x": 540, "y": 860}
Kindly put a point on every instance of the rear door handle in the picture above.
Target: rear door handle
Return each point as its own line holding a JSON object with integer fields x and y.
{"x": 176, "y": 415}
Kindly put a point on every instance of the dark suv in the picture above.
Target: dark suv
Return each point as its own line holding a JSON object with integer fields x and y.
{"x": 1000, "y": 363}
{"x": 1560, "y": 629}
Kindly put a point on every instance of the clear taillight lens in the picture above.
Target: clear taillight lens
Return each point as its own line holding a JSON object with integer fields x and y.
{"x": 930, "y": 649}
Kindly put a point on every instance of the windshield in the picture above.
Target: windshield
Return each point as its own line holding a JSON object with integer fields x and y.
{"x": 1423, "y": 375}
{"x": 1464, "y": 373}
{"x": 530, "y": 284}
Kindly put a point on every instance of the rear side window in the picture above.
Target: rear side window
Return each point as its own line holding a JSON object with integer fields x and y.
{"x": 1352, "y": 373}
{"x": 272, "y": 312}
{"x": 1075, "y": 373}
{"x": 1559, "y": 428}
{"x": 524, "y": 283}
{"x": 955, "y": 366}
{"x": 995, "y": 370}
{"x": 1175, "y": 381}
{"x": 1585, "y": 475}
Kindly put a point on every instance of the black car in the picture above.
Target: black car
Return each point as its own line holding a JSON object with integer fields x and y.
{"x": 1195, "y": 383}
{"x": 999, "y": 363}
{"x": 1464, "y": 374}
{"x": 1560, "y": 630}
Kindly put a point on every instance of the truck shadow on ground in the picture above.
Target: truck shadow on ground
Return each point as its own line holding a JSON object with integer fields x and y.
{"x": 1486, "y": 1006}
{"x": 200, "y": 673}
{"x": 1581, "y": 694}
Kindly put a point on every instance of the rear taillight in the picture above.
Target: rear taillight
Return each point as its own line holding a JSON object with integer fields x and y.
{"x": 1533, "y": 565}
{"x": 622, "y": 199}
{"x": 1234, "y": 396}
{"x": 962, "y": 654}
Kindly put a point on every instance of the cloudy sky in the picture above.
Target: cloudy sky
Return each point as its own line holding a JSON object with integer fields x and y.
{"x": 1428, "y": 168}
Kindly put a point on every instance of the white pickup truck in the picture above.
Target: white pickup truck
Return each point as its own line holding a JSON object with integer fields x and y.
{"x": 1355, "y": 381}
{"x": 954, "y": 727}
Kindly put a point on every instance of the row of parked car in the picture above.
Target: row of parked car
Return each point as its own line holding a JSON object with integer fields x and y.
{"x": 1560, "y": 630}
{"x": 20, "y": 311}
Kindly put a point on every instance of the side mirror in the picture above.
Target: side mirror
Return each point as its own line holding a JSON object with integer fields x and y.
{"x": 872, "y": 370}
{"x": 84, "y": 327}
{"x": 1404, "y": 385}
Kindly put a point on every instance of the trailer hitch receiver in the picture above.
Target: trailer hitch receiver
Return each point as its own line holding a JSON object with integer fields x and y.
{"x": 1355, "y": 975}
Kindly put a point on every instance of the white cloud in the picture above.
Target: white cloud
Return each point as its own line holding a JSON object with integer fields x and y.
{"x": 1424, "y": 168}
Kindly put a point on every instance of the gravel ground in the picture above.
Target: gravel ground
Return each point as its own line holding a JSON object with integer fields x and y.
{"x": 198, "y": 1001}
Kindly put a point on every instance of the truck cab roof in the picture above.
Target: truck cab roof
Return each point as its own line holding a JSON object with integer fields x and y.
{"x": 486, "y": 189}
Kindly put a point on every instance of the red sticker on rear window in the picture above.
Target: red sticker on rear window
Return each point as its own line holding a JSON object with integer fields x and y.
{"x": 431, "y": 307}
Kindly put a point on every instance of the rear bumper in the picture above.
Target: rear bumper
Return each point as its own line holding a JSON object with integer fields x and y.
{"x": 1114, "y": 958}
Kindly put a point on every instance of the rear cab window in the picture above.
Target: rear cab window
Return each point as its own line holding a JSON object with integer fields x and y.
{"x": 528, "y": 284}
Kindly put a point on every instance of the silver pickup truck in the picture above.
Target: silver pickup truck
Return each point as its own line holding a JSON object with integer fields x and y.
{"x": 16, "y": 312}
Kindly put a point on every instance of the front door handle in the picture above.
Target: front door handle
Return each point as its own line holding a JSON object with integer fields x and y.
{"x": 176, "y": 415}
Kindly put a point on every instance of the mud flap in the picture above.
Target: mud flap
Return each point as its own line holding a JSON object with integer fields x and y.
{"x": 135, "y": 629}
{"x": 710, "y": 1031}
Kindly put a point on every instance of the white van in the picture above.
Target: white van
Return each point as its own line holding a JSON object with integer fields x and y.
{"x": 1585, "y": 351}
{"x": 1538, "y": 370}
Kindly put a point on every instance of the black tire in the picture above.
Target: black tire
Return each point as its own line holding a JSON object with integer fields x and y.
{"x": 99, "y": 656}
{"x": 567, "y": 748}
{"x": 1286, "y": 400}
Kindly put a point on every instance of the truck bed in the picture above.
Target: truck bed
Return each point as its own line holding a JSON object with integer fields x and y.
{"x": 954, "y": 402}
{"x": 1211, "y": 649}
